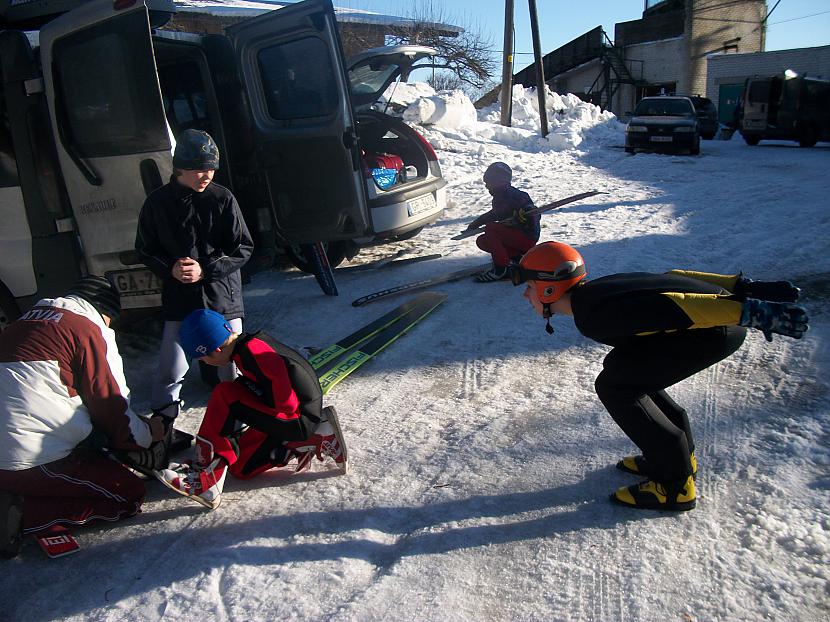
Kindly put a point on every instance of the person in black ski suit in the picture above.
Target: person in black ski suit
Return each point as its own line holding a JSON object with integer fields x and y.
{"x": 505, "y": 240}
{"x": 663, "y": 328}
{"x": 191, "y": 234}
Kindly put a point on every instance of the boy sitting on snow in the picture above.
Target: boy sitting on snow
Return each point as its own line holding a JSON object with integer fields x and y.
{"x": 269, "y": 415}
{"x": 505, "y": 241}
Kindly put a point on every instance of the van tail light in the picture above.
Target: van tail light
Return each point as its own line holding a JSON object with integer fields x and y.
{"x": 431, "y": 155}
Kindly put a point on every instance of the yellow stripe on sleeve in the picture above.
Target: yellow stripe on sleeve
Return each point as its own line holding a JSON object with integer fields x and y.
{"x": 727, "y": 282}
{"x": 707, "y": 310}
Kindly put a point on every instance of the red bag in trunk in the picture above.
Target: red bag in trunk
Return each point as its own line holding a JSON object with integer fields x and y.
{"x": 383, "y": 160}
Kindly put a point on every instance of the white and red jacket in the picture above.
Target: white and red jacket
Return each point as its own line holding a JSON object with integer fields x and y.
{"x": 60, "y": 373}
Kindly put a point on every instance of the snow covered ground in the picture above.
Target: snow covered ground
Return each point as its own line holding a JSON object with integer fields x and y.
{"x": 481, "y": 460}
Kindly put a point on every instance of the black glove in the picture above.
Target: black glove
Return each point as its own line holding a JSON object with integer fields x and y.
{"x": 778, "y": 291}
{"x": 783, "y": 318}
{"x": 154, "y": 458}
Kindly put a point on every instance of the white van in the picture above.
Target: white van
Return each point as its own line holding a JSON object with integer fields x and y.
{"x": 88, "y": 120}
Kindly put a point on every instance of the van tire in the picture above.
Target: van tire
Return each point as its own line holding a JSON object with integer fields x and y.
{"x": 335, "y": 251}
{"x": 9, "y": 310}
{"x": 808, "y": 137}
{"x": 752, "y": 140}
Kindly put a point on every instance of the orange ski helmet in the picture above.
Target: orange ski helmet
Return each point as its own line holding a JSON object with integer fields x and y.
{"x": 553, "y": 267}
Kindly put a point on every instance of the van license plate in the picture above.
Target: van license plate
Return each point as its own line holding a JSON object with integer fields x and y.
{"x": 416, "y": 206}
{"x": 137, "y": 282}
{"x": 661, "y": 139}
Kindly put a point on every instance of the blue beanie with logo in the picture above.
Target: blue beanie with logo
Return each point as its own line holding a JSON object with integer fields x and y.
{"x": 202, "y": 332}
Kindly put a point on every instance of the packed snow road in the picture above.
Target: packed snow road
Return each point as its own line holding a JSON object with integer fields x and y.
{"x": 481, "y": 460}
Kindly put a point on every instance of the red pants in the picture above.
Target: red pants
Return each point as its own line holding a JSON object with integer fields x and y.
{"x": 85, "y": 487}
{"x": 503, "y": 242}
{"x": 254, "y": 451}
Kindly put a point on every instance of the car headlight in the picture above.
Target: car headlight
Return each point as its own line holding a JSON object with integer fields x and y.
{"x": 636, "y": 128}
{"x": 684, "y": 129}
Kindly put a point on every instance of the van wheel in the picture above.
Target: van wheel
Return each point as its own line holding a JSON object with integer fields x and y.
{"x": 335, "y": 251}
{"x": 752, "y": 140}
{"x": 808, "y": 137}
{"x": 9, "y": 311}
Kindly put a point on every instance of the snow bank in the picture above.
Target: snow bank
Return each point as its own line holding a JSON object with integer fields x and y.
{"x": 571, "y": 121}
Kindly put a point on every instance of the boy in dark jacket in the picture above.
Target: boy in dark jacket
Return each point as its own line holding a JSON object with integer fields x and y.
{"x": 663, "y": 329}
{"x": 269, "y": 415}
{"x": 191, "y": 235}
{"x": 505, "y": 241}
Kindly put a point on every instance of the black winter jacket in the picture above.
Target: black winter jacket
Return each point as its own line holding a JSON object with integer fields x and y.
{"x": 621, "y": 308}
{"x": 177, "y": 222}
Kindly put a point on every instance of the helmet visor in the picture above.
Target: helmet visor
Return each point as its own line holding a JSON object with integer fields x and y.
{"x": 566, "y": 270}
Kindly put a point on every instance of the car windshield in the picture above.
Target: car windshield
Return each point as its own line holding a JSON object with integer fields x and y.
{"x": 663, "y": 108}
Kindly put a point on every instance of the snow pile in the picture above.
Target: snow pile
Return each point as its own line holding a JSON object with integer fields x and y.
{"x": 448, "y": 109}
{"x": 571, "y": 121}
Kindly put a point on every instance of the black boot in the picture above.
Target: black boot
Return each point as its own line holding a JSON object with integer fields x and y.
{"x": 11, "y": 524}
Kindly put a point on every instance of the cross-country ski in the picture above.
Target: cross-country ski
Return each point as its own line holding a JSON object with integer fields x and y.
{"x": 416, "y": 285}
{"x": 391, "y": 262}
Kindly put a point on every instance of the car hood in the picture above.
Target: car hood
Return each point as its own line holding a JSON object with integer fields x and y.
{"x": 661, "y": 120}
{"x": 372, "y": 71}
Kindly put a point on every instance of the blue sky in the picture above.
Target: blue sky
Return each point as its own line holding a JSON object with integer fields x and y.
{"x": 792, "y": 24}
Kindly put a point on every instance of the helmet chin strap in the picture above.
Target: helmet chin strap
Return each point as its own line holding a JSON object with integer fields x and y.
{"x": 547, "y": 313}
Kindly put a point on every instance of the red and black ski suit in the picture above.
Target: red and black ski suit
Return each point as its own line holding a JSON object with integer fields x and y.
{"x": 505, "y": 241}
{"x": 276, "y": 399}
{"x": 664, "y": 328}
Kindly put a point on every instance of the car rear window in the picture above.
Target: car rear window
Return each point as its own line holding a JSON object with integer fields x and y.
{"x": 663, "y": 108}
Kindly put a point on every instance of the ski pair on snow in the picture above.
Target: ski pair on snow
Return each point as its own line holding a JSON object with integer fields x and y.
{"x": 334, "y": 363}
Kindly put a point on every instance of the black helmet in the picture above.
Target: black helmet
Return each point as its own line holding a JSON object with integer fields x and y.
{"x": 100, "y": 293}
{"x": 196, "y": 151}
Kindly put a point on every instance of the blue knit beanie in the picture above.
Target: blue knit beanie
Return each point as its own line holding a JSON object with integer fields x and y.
{"x": 202, "y": 332}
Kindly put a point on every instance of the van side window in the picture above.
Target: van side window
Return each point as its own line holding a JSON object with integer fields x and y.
{"x": 104, "y": 80}
{"x": 298, "y": 79}
{"x": 184, "y": 97}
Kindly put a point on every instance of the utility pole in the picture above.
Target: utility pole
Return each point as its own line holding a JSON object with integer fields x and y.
{"x": 540, "y": 70}
{"x": 507, "y": 66}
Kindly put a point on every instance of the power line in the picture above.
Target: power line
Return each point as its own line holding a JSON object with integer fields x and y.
{"x": 784, "y": 21}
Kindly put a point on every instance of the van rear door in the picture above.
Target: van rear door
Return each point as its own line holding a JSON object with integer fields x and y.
{"x": 306, "y": 145}
{"x": 110, "y": 131}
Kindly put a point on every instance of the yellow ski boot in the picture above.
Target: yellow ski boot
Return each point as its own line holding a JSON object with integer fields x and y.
{"x": 650, "y": 495}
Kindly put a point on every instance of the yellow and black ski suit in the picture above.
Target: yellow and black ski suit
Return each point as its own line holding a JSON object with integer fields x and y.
{"x": 664, "y": 328}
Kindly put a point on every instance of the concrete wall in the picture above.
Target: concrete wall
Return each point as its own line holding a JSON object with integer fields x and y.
{"x": 579, "y": 80}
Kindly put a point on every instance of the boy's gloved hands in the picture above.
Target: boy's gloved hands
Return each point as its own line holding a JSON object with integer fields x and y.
{"x": 783, "y": 318}
{"x": 521, "y": 216}
{"x": 778, "y": 291}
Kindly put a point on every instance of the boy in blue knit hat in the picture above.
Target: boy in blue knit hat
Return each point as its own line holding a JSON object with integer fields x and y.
{"x": 272, "y": 413}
